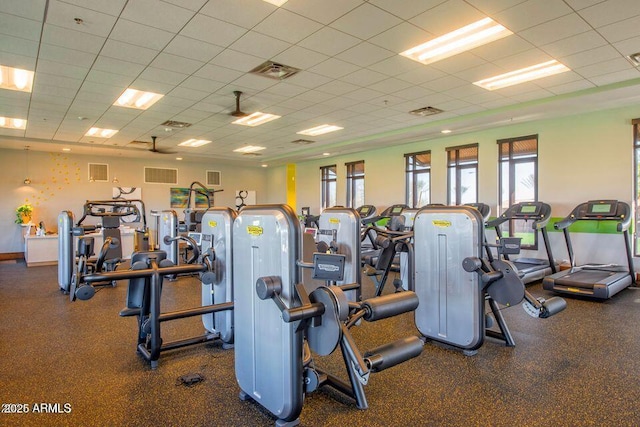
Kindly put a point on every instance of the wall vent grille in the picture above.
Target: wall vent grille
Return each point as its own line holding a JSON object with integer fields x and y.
{"x": 160, "y": 175}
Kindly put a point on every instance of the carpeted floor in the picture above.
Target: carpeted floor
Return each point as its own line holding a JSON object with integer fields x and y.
{"x": 580, "y": 368}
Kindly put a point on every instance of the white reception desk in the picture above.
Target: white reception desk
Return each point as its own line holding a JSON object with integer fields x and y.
{"x": 43, "y": 250}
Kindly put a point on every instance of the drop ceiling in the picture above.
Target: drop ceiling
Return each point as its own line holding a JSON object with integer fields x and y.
{"x": 196, "y": 53}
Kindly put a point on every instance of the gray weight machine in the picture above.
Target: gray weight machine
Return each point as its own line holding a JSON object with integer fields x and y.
{"x": 278, "y": 321}
{"x": 453, "y": 281}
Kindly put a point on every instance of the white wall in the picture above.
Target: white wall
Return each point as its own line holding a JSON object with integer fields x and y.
{"x": 580, "y": 157}
{"x": 60, "y": 182}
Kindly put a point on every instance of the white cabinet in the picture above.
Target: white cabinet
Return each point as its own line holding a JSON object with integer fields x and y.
{"x": 43, "y": 250}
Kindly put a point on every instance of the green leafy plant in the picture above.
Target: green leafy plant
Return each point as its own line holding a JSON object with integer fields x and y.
{"x": 23, "y": 212}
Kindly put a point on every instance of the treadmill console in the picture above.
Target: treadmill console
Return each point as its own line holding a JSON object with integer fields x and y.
{"x": 601, "y": 208}
{"x": 396, "y": 210}
{"x": 529, "y": 210}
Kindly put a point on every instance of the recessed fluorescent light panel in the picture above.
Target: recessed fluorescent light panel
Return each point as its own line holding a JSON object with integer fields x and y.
{"x": 319, "y": 130}
{"x": 101, "y": 133}
{"x": 249, "y": 149}
{"x": 16, "y": 79}
{"x": 527, "y": 74}
{"x": 138, "y": 99}
{"x": 466, "y": 38}
{"x": 255, "y": 119}
{"x": 11, "y": 123}
{"x": 194, "y": 143}
{"x": 276, "y": 2}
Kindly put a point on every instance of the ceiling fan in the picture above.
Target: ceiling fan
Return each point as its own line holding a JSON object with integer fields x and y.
{"x": 153, "y": 148}
{"x": 238, "y": 112}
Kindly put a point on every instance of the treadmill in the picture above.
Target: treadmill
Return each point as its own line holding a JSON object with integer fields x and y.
{"x": 595, "y": 281}
{"x": 539, "y": 213}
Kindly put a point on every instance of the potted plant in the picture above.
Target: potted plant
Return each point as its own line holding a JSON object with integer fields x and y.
{"x": 23, "y": 214}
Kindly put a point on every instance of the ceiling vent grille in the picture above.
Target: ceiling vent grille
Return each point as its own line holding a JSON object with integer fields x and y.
{"x": 252, "y": 154}
{"x": 174, "y": 124}
{"x": 302, "y": 142}
{"x": 426, "y": 111}
{"x": 214, "y": 177}
{"x": 98, "y": 172}
{"x": 160, "y": 175}
{"x": 276, "y": 71}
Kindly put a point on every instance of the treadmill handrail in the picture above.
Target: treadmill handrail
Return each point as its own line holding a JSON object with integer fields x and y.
{"x": 539, "y": 220}
{"x": 623, "y": 215}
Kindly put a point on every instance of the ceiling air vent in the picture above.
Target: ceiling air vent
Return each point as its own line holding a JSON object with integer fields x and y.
{"x": 635, "y": 59}
{"x": 426, "y": 111}
{"x": 98, "y": 172}
{"x": 160, "y": 176}
{"x": 302, "y": 142}
{"x": 252, "y": 154}
{"x": 274, "y": 70}
{"x": 213, "y": 177}
{"x": 174, "y": 124}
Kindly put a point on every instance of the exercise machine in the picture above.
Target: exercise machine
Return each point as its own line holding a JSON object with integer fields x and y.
{"x": 193, "y": 215}
{"x": 454, "y": 282}
{"x": 539, "y": 213}
{"x": 595, "y": 281}
{"x": 278, "y": 322}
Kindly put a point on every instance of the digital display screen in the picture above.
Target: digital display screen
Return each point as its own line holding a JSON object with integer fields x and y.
{"x": 528, "y": 209}
{"x": 601, "y": 208}
{"x": 365, "y": 210}
{"x": 197, "y": 237}
{"x": 397, "y": 209}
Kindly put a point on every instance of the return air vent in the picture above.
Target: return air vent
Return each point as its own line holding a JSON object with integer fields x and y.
{"x": 302, "y": 142}
{"x": 213, "y": 177}
{"x": 160, "y": 176}
{"x": 174, "y": 124}
{"x": 426, "y": 111}
{"x": 98, "y": 172}
{"x": 275, "y": 71}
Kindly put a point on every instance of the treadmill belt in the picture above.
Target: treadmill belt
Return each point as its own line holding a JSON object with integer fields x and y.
{"x": 587, "y": 279}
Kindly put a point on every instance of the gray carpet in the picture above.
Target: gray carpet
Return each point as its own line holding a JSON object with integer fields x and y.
{"x": 580, "y": 368}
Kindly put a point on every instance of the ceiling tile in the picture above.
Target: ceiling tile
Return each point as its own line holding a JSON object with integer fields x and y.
{"x": 63, "y": 14}
{"x": 605, "y": 67}
{"x": 324, "y": 11}
{"x": 64, "y": 92}
{"x": 525, "y": 59}
{"x": 116, "y": 66}
{"x": 286, "y": 89}
{"x": 299, "y": 57}
{"x": 257, "y": 44}
{"x": 162, "y": 15}
{"x": 109, "y": 78}
{"x": 413, "y": 92}
{"x": 578, "y": 43}
{"x": 591, "y": 56}
{"x": 336, "y": 87}
{"x": 20, "y": 27}
{"x": 609, "y": 12}
{"x": 401, "y": 37}
{"x": 444, "y": 83}
{"x": 236, "y": 60}
{"x": 491, "y": 7}
{"x": 333, "y": 68}
{"x": 140, "y": 35}
{"x": 629, "y": 46}
{"x": 581, "y": 4}
{"x": 329, "y": 41}
{"x": 406, "y": 9}
{"x": 217, "y": 73}
{"x": 390, "y": 85}
{"x": 162, "y": 76}
{"x": 459, "y": 62}
{"x": 194, "y": 5}
{"x": 26, "y": 9}
{"x": 395, "y": 65}
{"x": 420, "y": 75}
{"x": 72, "y": 39}
{"x": 557, "y": 29}
{"x": 175, "y": 63}
{"x": 363, "y": 77}
{"x": 480, "y": 72}
{"x": 502, "y": 48}
{"x": 111, "y": 7}
{"x": 447, "y": 17}
{"x": 19, "y": 46}
{"x": 128, "y": 52}
{"x": 531, "y": 13}
{"x": 614, "y": 77}
{"x": 192, "y": 48}
{"x": 66, "y": 56}
{"x": 621, "y": 30}
{"x": 201, "y": 84}
{"x": 365, "y": 21}
{"x": 255, "y": 82}
{"x": 58, "y": 81}
{"x": 308, "y": 80}
{"x": 297, "y": 27}
{"x": 365, "y": 54}
{"x": 245, "y": 13}
{"x": 58, "y": 69}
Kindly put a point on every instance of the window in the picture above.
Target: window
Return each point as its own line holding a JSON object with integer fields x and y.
{"x": 418, "y": 179}
{"x": 518, "y": 182}
{"x": 462, "y": 174}
{"x": 328, "y": 185}
{"x": 355, "y": 184}
{"x": 636, "y": 186}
